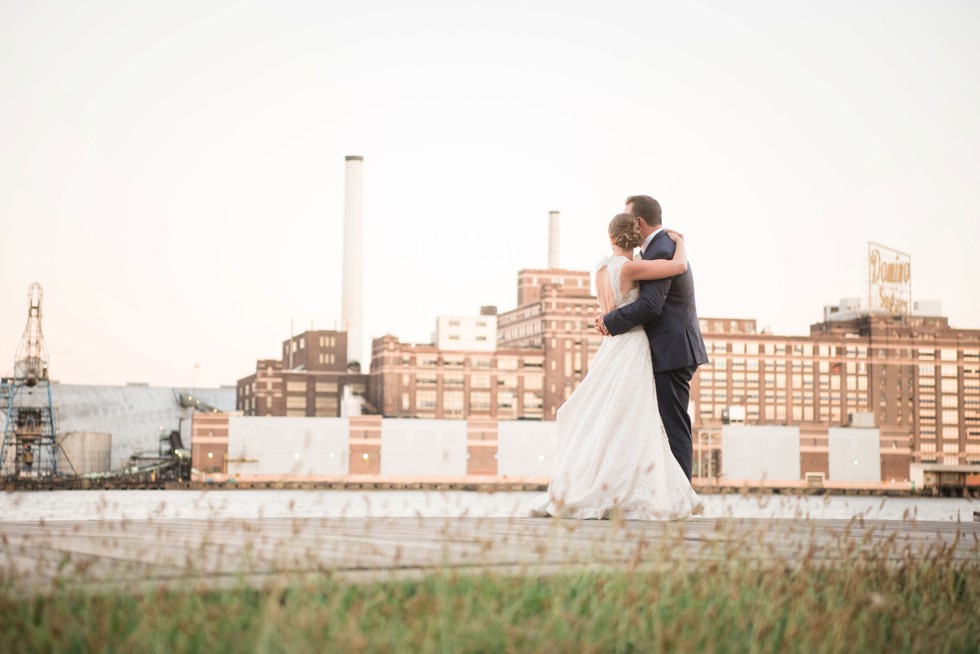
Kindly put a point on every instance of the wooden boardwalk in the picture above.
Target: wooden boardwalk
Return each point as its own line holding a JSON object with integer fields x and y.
{"x": 215, "y": 553}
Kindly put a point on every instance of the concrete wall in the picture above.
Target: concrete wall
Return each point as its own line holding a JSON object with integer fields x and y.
{"x": 443, "y": 448}
{"x": 755, "y": 453}
{"x": 426, "y": 448}
{"x": 854, "y": 454}
{"x": 423, "y": 447}
{"x": 259, "y": 445}
{"x": 133, "y": 415}
{"x": 526, "y": 448}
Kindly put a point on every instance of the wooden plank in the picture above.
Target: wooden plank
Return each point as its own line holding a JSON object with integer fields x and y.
{"x": 103, "y": 553}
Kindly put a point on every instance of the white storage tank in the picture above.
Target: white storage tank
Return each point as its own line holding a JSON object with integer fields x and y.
{"x": 89, "y": 451}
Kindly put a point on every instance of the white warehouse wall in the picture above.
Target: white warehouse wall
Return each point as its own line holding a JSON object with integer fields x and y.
{"x": 855, "y": 454}
{"x": 756, "y": 453}
{"x": 526, "y": 448}
{"x": 413, "y": 448}
{"x": 261, "y": 445}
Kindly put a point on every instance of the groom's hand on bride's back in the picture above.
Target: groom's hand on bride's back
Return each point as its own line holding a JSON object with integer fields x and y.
{"x": 600, "y": 325}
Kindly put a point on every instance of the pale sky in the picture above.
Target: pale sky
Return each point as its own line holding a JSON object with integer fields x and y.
{"x": 172, "y": 173}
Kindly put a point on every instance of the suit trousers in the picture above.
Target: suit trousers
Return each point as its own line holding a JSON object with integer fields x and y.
{"x": 673, "y": 396}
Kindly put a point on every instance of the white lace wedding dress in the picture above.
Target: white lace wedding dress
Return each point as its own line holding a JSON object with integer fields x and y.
{"x": 613, "y": 456}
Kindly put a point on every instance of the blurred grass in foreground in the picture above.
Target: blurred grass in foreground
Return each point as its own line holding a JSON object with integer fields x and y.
{"x": 860, "y": 603}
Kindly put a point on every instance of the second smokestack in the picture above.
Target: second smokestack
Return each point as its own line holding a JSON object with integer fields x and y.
{"x": 553, "y": 247}
{"x": 352, "y": 301}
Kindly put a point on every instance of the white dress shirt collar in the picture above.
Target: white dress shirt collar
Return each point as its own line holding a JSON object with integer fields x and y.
{"x": 649, "y": 239}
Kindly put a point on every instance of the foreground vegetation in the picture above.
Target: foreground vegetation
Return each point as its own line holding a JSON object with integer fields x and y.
{"x": 931, "y": 604}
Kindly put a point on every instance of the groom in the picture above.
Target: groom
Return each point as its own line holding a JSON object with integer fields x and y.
{"x": 666, "y": 310}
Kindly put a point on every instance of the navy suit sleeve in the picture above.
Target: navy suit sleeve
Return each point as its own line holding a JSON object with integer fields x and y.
{"x": 653, "y": 295}
{"x": 648, "y": 306}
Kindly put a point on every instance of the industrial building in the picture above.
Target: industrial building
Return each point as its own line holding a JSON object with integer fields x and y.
{"x": 881, "y": 375}
{"x": 320, "y": 371}
{"x": 555, "y": 314}
{"x": 885, "y": 370}
{"x": 913, "y": 379}
{"x": 252, "y": 447}
{"x": 135, "y": 416}
{"x": 53, "y": 430}
{"x": 312, "y": 379}
{"x": 422, "y": 381}
{"x": 101, "y": 428}
{"x": 256, "y": 449}
{"x": 541, "y": 352}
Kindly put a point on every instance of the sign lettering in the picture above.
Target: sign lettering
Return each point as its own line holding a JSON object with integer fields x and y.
{"x": 889, "y": 280}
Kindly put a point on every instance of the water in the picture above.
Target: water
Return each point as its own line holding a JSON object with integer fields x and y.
{"x": 152, "y": 504}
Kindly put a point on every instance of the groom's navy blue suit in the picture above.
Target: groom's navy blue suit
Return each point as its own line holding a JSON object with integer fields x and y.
{"x": 667, "y": 311}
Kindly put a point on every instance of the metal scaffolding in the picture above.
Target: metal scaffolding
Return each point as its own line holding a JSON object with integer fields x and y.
{"x": 30, "y": 433}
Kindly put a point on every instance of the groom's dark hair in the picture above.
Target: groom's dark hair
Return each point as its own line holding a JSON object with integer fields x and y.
{"x": 646, "y": 208}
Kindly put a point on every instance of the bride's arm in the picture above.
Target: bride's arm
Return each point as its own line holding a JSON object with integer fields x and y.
{"x": 658, "y": 268}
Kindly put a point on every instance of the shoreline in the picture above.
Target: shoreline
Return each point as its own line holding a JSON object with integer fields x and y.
{"x": 480, "y": 485}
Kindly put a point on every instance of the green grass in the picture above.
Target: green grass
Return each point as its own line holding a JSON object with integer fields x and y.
{"x": 861, "y": 604}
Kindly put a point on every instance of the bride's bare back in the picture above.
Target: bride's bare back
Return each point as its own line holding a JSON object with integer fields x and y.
{"x": 604, "y": 290}
{"x": 631, "y": 271}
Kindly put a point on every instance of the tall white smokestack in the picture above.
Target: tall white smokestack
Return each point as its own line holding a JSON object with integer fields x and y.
{"x": 553, "y": 247}
{"x": 352, "y": 310}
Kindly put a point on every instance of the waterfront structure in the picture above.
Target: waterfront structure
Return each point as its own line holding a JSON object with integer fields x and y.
{"x": 542, "y": 351}
{"x": 319, "y": 448}
{"x": 555, "y": 314}
{"x": 125, "y": 420}
{"x": 888, "y": 365}
{"x": 209, "y": 441}
{"x": 914, "y": 378}
{"x": 54, "y": 430}
{"x": 376, "y": 450}
{"x": 422, "y": 381}
{"x": 30, "y": 432}
{"x": 312, "y": 378}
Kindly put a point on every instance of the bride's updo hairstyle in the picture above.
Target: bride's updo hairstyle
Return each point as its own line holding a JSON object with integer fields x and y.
{"x": 624, "y": 231}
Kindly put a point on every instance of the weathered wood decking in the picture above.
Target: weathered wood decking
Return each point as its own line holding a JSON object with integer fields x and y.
{"x": 215, "y": 553}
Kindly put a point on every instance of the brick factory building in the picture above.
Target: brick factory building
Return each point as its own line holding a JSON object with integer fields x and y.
{"x": 884, "y": 363}
{"x": 913, "y": 377}
{"x": 555, "y": 312}
{"x": 311, "y": 379}
{"x": 543, "y": 351}
{"x": 422, "y": 381}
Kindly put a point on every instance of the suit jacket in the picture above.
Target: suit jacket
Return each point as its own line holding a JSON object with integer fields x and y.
{"x": 667, "y": 311}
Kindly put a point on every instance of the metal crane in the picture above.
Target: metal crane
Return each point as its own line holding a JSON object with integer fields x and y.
{"x": 30, "y": 440}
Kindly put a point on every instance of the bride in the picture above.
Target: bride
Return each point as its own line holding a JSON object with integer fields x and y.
{"x": 613, "y": 456}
